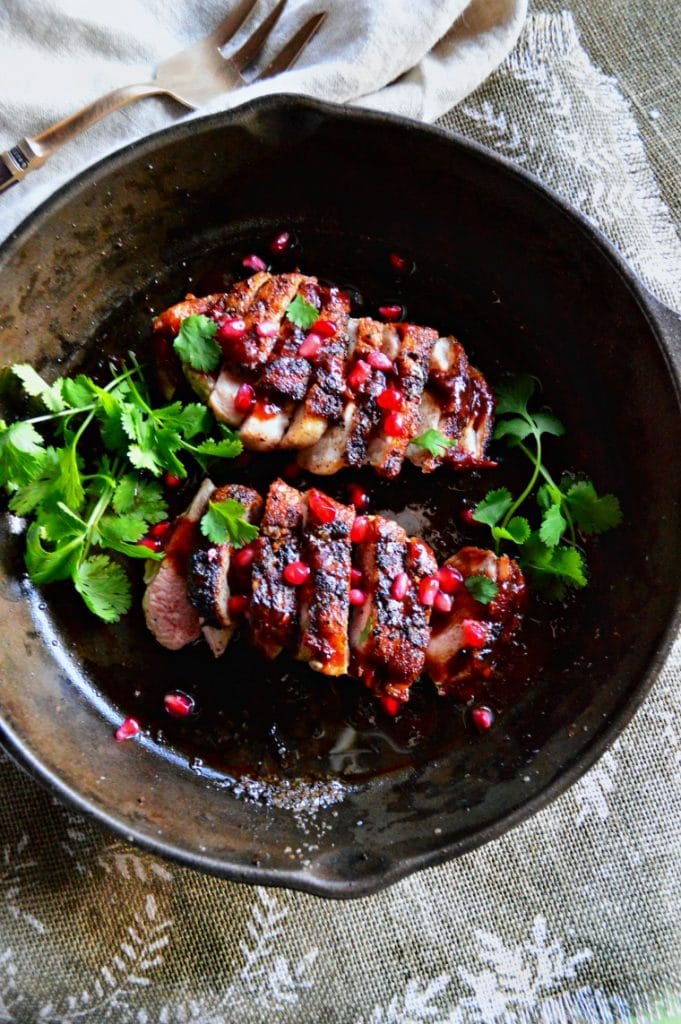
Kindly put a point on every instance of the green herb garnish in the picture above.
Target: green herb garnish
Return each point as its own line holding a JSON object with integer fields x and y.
{"x": 482, "y": 588}
{"x": 302, "y": 313}
{"x": 91, "y": 488}
{"x": 434, "y": 442}
{"x": 548, "y": 553}
{"x": 225, "y": 522}
{"x": 196, "y": 344}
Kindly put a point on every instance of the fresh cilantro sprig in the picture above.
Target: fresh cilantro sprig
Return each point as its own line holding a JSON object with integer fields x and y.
{"x": 302, "y": 313}
{"x": 84, "y": 473}
{"x": 195, "y": 344}
{"x": 549, "y": 552}
{"x": 225, "y": 522}
{"x": 482, "y": 588}
{"x": 433, "y": 441}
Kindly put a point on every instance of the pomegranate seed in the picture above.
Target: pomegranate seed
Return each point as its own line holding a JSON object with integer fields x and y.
{"x": 325, "y": 328}
{"x": 231, "y": 329}
{"x": 360, "y": 529}
{"x": 159, "y": 530}
{"x": 391, "y": 313}
{"x": 358, "y": 497}
{"x": 322, "y": 507}
{"x": 400, "y": 263}
{"x": 394, "y": 424}
{"x": 311, "y": 347}
{"x": 390, "y": 399}
{"x": 400, "y": 585}
{"x": 442, "y": 603}
{"x": 178, "y": 704}
{"x": 417, "y": 549}
{"x": 356, "y": 577}
{"x": 127, "y": 729}
{"x": 450, "y": 579}
{"x": 267, "y": 329}
{"x": 482, "y": 718}
{"x": 254, "y": 262}
{"x": 379, "y": 361}
{"x": 359, "y": 375}
{"x": 357, "y": 596}
{"x": 474, "y": 633}
{"x": 244, "y": 400}
{"x": 296, "y": 573}
{"x": 467, "y": 516}
{"x": 428, "y": 589}
{"x": 237, "y": 604}
{"x": 243, "y": 558}
{"x": 149, "y": 542}
{"x": 280, "y": 243}
{"x": 171, "y": 480}
{"x": 391, "y": 705}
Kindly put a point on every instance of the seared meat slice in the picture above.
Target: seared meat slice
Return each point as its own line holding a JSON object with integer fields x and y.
{"x": 452, "y": 655}
{"x": 389, "y": 632}
{"x": 325, "y": 601}
{"x": 273, "y": 614}
{"x": 284, "y": 386}
{"x": 387, "y": 449}
{"x": 169, "y": 615}
{"x": 208, "y": 585}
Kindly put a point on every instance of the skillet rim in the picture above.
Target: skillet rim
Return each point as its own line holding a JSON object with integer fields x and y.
{"x": 665, "y": 328}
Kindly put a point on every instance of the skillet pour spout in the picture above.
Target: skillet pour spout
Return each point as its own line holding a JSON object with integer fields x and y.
{"x": 528, "y": 286}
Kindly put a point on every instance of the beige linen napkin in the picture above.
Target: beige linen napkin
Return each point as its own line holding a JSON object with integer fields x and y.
{"x": 412, "y": 57}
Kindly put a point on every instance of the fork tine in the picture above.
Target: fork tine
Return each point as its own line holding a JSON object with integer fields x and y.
{"x": 290, "y": 53}
{"x": 230, "y": 25}
{"x": 253, "y": 45}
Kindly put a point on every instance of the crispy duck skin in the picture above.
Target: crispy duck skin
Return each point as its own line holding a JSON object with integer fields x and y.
{"x": 389, "y": 634}
{"x": 387, "y": 640}
{"x": 316, "y": 403}
{"x": 325, "y": 603}
{"x": 208, "y": 584}
{"x": 274, "y": 611}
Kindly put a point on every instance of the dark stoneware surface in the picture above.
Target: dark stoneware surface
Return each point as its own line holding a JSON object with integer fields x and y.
{"x": 527, "y": 286}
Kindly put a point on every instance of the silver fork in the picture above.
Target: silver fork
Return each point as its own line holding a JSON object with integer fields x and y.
{"x": 191, "y": 77}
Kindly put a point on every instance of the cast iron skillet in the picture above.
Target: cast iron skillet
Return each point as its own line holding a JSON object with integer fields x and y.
{"x": 527, "y": 285}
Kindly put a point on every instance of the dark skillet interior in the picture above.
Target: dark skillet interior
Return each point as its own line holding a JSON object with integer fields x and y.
{"x": 526, "y": 287}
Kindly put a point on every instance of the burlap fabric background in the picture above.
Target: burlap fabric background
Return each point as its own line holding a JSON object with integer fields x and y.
{"x": 574, "y": 916}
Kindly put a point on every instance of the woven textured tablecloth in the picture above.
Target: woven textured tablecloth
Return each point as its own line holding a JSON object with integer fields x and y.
{"x": 574, "y": 916}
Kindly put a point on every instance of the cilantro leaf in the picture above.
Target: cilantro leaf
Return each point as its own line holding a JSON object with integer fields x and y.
{"x": 34, "y": 385}
{"x": 481, "y": 588}
{"x": 364, "y": 635}
{"x": 548, "y": 495}
{"x": 553, "y": 526}
{"x": 493, "y": 506}
{"x": 227, "y": 448}
{"x": 139, "y": 497}
{"x": 58, "y": 523}
{"x": 46, "y": 565}
{"x": 302, "y": 313}
{"x": 193, "y": 419}
{"x": 593, "y": 514}
{"x": 104, "y": 587}
{"x": 546, "y": 423}
{"x": 22, "y": 453}
{"x": 196, "y": 344}
{"x": 70, "y": 484}
{"x": 517, "y": 530}
{"x": 434, "y": 442}
{"x": 551, "y": 570}
{"x": 113, "y": 530}
{"x": 34, "y": 493}
{"x": 516, "y": 427}
{"x": 225, "y": 522}
{"x": 513, "y": 394}
{"x": 78, "y": 391}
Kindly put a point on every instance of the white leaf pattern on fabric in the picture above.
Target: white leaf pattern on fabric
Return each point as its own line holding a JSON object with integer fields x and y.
{"x": 592, "y": 791}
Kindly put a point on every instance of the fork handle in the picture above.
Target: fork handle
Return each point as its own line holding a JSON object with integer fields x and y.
{"x": 32, "y": 152}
